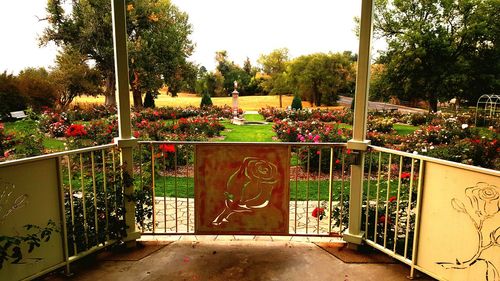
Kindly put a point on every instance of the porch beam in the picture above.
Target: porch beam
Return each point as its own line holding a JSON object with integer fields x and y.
{"x": 125, "y": 140}
{"x": 358, "y": 143}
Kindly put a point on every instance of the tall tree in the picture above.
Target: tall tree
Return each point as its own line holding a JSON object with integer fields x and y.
{"x": 37, "y": 87}
{"x": 439, "y": 49}
{"x": 320, "y": 78}
{"x": 73, "y": 77}
{"x": 11, "y": 97}
{"x": 232, "y": 72}
{"x": 274, "y": 66}
{"x": 157, "y": 34}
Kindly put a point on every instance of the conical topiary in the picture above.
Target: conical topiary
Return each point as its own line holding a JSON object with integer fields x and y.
{"x": 149, "y": 100}
{"x": 206, "y": 101}
{"x": 296, "y": 103}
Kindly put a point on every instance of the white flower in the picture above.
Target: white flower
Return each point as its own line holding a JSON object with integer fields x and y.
{"x": 424, "y": 149}
{"x": 465, "y": 126}
{"x": 415, "y": 152}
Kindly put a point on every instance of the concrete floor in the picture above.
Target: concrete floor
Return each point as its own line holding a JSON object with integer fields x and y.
{"x": 239, "y": 260}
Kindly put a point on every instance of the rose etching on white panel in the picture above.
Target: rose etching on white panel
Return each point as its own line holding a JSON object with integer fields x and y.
{"x": 481, "y": 205}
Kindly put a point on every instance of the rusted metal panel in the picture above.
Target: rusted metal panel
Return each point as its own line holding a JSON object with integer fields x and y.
{"x": 242, "y": 189}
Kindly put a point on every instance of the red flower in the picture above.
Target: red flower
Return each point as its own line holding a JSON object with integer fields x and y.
{"x": 137, "y": 134}
{"x": 405, "y": 175}
{"x": 381, "y": 219}
{"x": 76, "y": 130}
{"x": 392, "y": 199}
{"x": 337, "y": 161}
{"x": 167, "y": 147}
{"x": 318, "y": 212}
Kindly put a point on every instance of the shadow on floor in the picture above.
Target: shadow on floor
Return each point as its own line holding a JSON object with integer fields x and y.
{"x": 231, "y": 260}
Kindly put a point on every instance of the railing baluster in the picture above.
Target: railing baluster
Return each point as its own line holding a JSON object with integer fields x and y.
{"x": 297, "y": 186}
{"x": 187, "y": 190}
{"x": 307, "y": 189}
{"x": 387, "y": 199}
{"x": 103, "y": 155}
{"x": 408, "y": 210}
{"x": 94, "y": 190}
{"x": 330, "y": 186}
{"x": 417, "y": 218}
{"x": 153, "y": 201}
{"x": 368, "y": 192}
{"x": 85, "y": 225}
{"x": 176, "y": 195}
{"x": 342, "y": 186}
{"x": 71, "y": 205}
{"x": 379, "y": 173}
{"x": 114, "y": 179}
{"x": 319, "y": 192}
{"x": 62, "y": 210}
{"x": 397, "y": 203}
{"x": 165, "y": 155}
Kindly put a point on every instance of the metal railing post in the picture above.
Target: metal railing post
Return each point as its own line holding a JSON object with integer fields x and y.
{"x": 125, "y": 140}
{"x": 358, "y": 143}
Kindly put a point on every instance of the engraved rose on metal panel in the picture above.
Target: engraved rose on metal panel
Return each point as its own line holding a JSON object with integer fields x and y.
{"x": 248, "y": 188}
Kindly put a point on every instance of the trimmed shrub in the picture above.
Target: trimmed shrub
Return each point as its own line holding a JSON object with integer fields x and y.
{"x": 149, "y": 100}
{"x": 10, "y": 96}
{"x": 206, "y": 101}
{"x": 296, "y": 103}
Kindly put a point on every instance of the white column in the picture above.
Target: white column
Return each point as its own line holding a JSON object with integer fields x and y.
{"x": 358, "y": 143}
{"x": 125, "y": 140}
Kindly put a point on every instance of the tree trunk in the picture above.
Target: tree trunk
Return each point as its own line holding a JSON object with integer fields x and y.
{"x": 109, "y": 91}
{"x": 136, "y": 93}
{"x": 281, "y": 102}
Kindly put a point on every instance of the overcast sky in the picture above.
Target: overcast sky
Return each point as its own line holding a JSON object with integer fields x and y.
{"x": 243, "y": 28}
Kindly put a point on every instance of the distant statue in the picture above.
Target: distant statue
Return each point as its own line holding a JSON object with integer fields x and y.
{"x": 235, "y": 85}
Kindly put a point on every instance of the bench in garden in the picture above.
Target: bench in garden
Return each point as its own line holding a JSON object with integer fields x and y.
{"x": 18, "y": 114}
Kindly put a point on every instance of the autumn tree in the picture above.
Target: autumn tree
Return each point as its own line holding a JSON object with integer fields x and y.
{"x": 157, "y": 40}
{"x": 73, "y": 77}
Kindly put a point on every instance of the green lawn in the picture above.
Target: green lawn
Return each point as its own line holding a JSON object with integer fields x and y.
{"x": 404, "y": 130}
{"x": 248, "y": 133}
{"x": 21, "y": 126}
{"x": 29, "y": 127}
{"x": 300, "y": 190}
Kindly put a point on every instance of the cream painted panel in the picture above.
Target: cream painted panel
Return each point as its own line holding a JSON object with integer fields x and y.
{"x": 30, "y": 196}
{"x": 460, "y": 224}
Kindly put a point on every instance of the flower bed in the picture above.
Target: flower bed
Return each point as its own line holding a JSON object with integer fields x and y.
{"x": 442, "y": 136}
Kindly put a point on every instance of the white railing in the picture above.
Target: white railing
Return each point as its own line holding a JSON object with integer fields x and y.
{"x": 79, "y": 191}
{"x": 317, "y": 179}
{"x": 418, "y": 209}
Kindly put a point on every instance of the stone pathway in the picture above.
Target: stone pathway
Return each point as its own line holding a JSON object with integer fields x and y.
{"x": 177, "y": 216}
